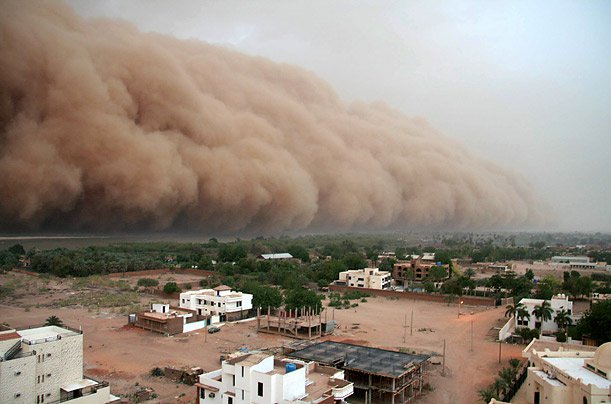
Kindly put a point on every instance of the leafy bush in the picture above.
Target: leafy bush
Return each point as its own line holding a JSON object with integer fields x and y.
{"x": 354, "y": 295}
{"x": 157, "y": 372}
{"x": 171, "y": 287}
{"x": 147, "y": 282}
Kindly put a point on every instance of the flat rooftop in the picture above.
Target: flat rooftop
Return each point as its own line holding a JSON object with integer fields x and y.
{"x": 42, "y": 333}
{"x": 574, "y": 367}
{"x": 360, "y": 358}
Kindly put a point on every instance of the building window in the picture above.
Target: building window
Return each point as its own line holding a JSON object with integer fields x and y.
{"x": 229, "y": 400}
{"x": 260, "y": 389}
{"x": 242, "y": 373}
{"x": 238, "y": 304}
{"x": 202, "y": 394}
{"x": 233, "y": 380}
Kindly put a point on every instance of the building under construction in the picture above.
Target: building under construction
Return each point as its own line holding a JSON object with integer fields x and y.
{"x": 379, "y": 375}
{"x": 299, "y": 323}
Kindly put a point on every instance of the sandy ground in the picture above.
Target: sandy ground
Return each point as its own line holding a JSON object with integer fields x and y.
{"x": 125, "y": 356}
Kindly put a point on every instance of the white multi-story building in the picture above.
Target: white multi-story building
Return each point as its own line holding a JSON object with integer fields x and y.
{"x": 371, "y": 278}
{"x": 569, "y": 377}
{"x": 558, "y": 303}
{"x": 45, "y": 365}
{"x": 261, "y": 379}
{"x": 221, "y": 303}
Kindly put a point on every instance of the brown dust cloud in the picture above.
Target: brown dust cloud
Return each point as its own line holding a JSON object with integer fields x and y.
{"x": 105, "y": 128}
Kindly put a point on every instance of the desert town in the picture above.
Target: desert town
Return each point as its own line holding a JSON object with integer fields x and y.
{"x": 387, "y": 341}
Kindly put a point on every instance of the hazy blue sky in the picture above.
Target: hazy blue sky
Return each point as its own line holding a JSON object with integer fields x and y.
{"x": 526, "y": 84}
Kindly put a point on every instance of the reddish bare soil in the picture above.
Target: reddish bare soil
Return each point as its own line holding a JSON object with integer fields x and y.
{"x": 125, "y": 356}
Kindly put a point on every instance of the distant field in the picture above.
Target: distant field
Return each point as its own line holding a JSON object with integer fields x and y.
{"x": 79, "y": 241}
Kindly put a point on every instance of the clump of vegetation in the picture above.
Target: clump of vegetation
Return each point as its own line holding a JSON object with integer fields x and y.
{"x": 503, "y": 384}
{"x": 54, "y": 320}
{"x": 171, "y": 287}
{"x": 148, "y": 282}
{"x": 157, "y": 372}
{"x": 98, "y": 299}
{"x": 354, "y": 295}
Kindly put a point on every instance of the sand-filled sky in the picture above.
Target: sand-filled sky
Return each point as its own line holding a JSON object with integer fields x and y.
{"x": 378, "y": 116}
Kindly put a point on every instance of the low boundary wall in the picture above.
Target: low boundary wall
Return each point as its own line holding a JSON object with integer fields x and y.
{"x": 467, "y": 300}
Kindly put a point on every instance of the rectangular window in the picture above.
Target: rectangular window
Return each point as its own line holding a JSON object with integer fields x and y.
{"x": 260, "y": 389}
{"x": 238, "y": 304}
{"x": 233, "y": 380}
{"x": 229, "y": 400}
{"x": 202, "y": 393}
{"x": 242, "y": 395}
{"x": 242, "y": 371}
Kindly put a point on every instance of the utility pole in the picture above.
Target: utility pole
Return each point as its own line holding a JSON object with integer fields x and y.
{"x": 405, "y": 328}
{"x": 411, "y": 324}
{"x": 471, "y": 335}
{"x": 443, "y": 363}
{"x": 500, "y": 351}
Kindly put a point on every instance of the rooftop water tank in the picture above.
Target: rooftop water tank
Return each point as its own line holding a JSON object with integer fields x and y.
{"x": 289, "y": 367}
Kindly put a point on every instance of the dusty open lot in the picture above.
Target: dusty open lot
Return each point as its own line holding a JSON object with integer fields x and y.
{"x": 125, "y": 356}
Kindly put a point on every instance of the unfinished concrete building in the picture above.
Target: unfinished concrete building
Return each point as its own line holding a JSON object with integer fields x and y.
{"x": 299, "y": 323}
{"x": 379, "y": 376}
{"x": 169, "y": 320}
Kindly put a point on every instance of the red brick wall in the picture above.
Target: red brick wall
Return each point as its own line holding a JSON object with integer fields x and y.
{"x": 468, "y": 300}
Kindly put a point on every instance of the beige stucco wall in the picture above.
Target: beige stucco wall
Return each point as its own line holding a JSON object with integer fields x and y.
{"x": 23, "y": 384}
{"x": 62, "y": 359}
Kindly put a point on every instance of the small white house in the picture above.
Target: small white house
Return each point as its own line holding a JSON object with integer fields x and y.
{"x": 259, "y": 378}
{"x": 558, "y": 303}
{"x": 221, "y": 303}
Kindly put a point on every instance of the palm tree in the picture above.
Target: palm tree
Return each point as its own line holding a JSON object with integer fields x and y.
{"x": 54, "y": 320}
{"x": 499, "y": 385}
{"x": 487, "y": 394}
{"x": 514, "y": 363}
{"x": 512, "y": 309}
{"x": 543, "y": 312}
{"x": 523, "y": 314}
{"x": 563, "y": 319}
{"x": 508, "y": 375}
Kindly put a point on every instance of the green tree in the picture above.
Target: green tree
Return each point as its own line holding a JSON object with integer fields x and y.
{"x": 499, "y": 385}
{"x": 300, "y": 252}
{"x": 543, "y": 312}
{"x": 508, "y": 375}
{"x": 171, "y": 287}
{"x": 17, "y": 249}
{"x": 354, "y": 261}
{"x": 563, "y": 319}
{"x": 437, "y": 273}
{"x": 263, "y": 296}
{"x": 54, "y": 320}
{"x": 487, "y": 394}
{"x": 513, "y": 309}
{"x": 596, "y": 322}
{"x": 523, "y": 314}
{"x": 300, "y": 298}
